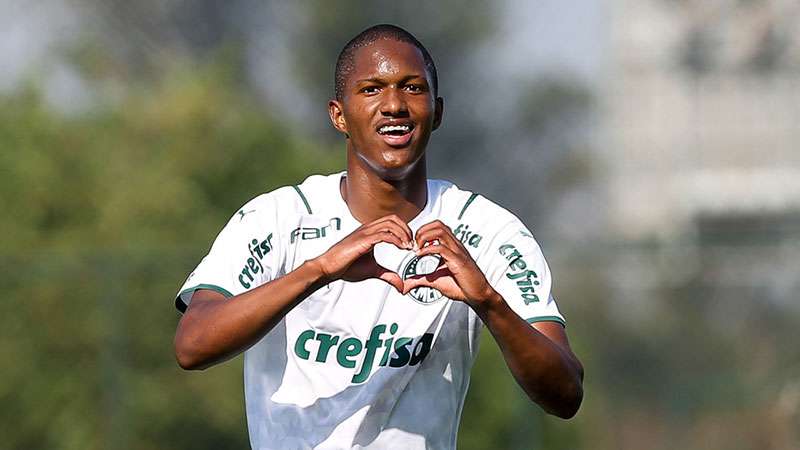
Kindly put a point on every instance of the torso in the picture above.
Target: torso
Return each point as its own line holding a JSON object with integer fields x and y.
{"x": 361, "y": 358}
{"x": 360, "y": 365}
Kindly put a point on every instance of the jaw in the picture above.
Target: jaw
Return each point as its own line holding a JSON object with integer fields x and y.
{"x": 396, "y": 165}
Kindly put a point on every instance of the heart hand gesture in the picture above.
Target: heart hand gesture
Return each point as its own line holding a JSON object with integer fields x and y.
{"x": 457, "y": 277}
{"x": 351, "y": 259}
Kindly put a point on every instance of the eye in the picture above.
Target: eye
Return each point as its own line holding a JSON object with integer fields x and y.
{"x": 369, "y": 90}
{"x": 414, "y": 88}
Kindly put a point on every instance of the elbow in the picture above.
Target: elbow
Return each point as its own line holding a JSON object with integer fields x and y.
{"x": 563, "y": 402}
{"x": 187, "y": 362}
{"x": 568, "y": 398}
{"x": 570, "y": 404}
{"x": 571, "y": 398}
{"x": 186, "y": 356}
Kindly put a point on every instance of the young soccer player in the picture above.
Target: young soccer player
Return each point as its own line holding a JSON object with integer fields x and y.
{"x": 358, "y": 297}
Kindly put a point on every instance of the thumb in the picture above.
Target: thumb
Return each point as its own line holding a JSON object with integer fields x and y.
{"x": 391, "y": 278}
{"x": 429, "y": 280}
{"x": 412, "y": 283}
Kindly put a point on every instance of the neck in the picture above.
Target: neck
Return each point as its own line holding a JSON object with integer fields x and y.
{"x": 370, "y": 197}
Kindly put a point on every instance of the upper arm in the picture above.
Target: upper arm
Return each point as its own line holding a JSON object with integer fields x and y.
{"x": 553, "y": 331}
{"x": 201, "y": 299}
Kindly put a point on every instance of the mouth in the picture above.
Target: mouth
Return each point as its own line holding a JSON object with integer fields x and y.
{"x": 396, "y": 133}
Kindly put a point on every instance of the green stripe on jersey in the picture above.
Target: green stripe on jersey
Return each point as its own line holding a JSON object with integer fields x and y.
{"x": 547, "y": 319}
{"x": 212, "y": 287}
{"x": 182, "y": 306}
{"x": 303, "y": 197}
{"x": 466, "y": 205}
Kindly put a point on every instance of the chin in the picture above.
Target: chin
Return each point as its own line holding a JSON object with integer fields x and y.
{"x": 396, "y": 173}
{"x": 394, "y": 168}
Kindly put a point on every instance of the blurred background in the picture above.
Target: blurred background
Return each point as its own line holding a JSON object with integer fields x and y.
{"x": 651, "y": 145}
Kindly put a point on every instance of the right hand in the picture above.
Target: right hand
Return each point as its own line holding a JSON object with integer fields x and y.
{"x": 351, "y": 259}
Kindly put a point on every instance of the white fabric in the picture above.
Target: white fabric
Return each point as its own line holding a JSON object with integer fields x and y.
{"x": 359, "y": 365}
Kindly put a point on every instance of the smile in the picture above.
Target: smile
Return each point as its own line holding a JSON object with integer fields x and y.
{"x": 395, "y": 130}
{"x": 396, "y": 134}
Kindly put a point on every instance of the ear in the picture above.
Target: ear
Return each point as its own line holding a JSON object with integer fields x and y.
{"x": 438, "y": 112}
{"x": 336, "y": 113}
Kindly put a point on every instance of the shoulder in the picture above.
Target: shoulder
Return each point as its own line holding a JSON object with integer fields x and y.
{"x": 286, "y": 201}
{"x": 318, "y": 192}
{"x": 469, "y": 207}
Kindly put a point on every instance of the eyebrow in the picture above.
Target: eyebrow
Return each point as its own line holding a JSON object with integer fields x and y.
{"x": 381, "y": 80}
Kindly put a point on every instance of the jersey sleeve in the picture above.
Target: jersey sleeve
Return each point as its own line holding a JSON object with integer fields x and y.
{"x": 519, "y": 272}
{"x": 244, "y": 255}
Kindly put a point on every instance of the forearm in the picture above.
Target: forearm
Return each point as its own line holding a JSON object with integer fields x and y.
{"x": 546, "y": 370}
{"x": 213, "y": 331}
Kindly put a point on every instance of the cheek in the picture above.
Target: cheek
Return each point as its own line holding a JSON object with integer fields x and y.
{"x": 425, "y": 111}
{"x": 358, "y": 119}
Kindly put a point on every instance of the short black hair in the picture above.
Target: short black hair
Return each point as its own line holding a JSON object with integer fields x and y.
{"x": 346, "y": 61}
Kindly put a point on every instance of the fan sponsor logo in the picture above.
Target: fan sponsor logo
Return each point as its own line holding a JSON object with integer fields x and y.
{"x": 308, "y": 233}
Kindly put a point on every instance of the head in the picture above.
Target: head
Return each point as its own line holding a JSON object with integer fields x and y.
{"x": 386, "y": 99}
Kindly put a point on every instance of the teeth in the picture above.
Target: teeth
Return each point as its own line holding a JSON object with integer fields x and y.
{"x": 387, "y": 128}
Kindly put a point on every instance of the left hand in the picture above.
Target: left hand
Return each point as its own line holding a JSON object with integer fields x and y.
{"x": 458, "y": 276}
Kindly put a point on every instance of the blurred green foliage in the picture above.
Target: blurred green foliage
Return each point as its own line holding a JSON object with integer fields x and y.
{"x": 105, "y": 214}
{"x": 159, "y": 167}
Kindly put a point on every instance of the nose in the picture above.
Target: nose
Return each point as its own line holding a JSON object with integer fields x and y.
{"x": 394, "y": 103}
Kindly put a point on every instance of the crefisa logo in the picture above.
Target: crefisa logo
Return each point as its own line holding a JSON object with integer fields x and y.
{"x": 415, "y": 265}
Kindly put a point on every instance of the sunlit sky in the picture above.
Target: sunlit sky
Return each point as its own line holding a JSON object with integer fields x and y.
{"x": 552, "y": 35}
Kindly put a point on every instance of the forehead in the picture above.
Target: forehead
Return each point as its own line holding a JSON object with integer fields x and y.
{"x": 387, "y": 58}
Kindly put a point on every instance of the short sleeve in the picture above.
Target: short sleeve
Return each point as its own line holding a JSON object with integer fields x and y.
{"x": 243, "y": 256}
{"x": 518, "y": 271}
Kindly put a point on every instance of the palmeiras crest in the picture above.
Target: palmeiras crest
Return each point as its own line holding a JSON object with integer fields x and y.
{"x": 416, "y": 265}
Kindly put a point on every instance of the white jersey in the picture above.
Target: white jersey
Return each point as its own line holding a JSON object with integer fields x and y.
{"x": 360, "y": 365}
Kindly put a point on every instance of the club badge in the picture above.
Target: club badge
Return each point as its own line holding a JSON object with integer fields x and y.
{"x": 424, "y": 265}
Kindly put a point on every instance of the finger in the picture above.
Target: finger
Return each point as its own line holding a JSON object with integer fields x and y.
{"x": 448, "y": 255}
{"x": 394, "y": 228}
{"x": 432, "y": 225}
{"x": 366, "y": 243}
{"x": 375, "y": 270}
{"x": 433, "y": 230}
{"x": 387, "y": 236}
{"x": 388, "y": 229}
{"x": 405, "y": 231}
{"x": 394, "y": 218}
{"x": 369, "y": 233}
{"x": 438, "y": 235}
{"x": 390, "y": 277}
